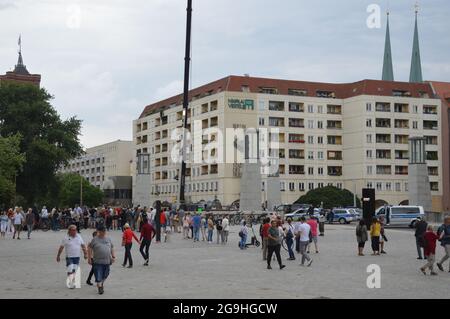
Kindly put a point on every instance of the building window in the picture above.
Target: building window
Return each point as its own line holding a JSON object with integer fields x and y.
{"x": 369, "y": 185}
{"x": 310, "y": 139}
{"x": 339, "y": 185}
{"x": 368, "y": 123}
{"x": 282, "y": 186}
{"x": 301, "y": 187}
{"x": 310, "y": 170}
{"x": 415, "y": 125}
{"x": 388, "y": 187}
{"x": 261, "y": 121}
{"x": 369, "y": 138}
{"x": 320, "y": 155}
{"x": 369, "y": 107}
{"x": 310, "y": 186}
{"x": 310, "y": 108}
{"x": 319, "y": 124}
{"x": 262, "y": 106}
{"x": 369, "y": 170}
{"x": 398, "y": 187}
{"x": 311, "y": 155}
{"x": 415, "y": 109}
{"x": 369, "y": 154}
{"x": 320, "y": 170}
{"x": 379, "y": 186}
{"x": 292, "y": 187}
{"x": 310, "y": 124}
{"x": 320, "y": 140}
{"x": 320, "y": 109}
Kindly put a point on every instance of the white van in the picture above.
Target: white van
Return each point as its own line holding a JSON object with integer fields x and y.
{"x": 401, "y": 215}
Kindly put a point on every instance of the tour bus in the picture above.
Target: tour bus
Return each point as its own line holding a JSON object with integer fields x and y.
{"x": 401, "y": 216}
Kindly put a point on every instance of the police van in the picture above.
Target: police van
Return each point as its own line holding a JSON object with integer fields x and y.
{"x": 401, "y": 216}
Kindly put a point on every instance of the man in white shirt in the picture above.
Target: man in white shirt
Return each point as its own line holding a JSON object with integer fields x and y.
{"x": 73, "y": 244}
{"x": 44, "y": 213}
{"x": 225, "y": 229}
{"x": 18, "y": 219}
{"x": 303, "y": 230}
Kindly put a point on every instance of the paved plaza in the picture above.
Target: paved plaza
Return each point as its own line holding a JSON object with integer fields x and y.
{"x": 182, "y": 269}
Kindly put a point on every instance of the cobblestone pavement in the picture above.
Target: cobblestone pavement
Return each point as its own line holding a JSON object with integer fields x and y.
{"x": 182, "y": 269}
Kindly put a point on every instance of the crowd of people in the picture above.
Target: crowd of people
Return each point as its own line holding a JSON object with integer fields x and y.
{"x": 297, "y": 236}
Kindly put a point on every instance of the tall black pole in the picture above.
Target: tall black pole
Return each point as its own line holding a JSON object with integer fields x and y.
{"x": 187, "y": 64}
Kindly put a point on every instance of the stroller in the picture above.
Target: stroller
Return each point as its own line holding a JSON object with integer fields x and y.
{"x": 254, "y": 241}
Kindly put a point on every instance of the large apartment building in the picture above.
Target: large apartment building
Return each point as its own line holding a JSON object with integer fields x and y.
{"x": 107, "y": 167}
{"x": 347, "y": 135}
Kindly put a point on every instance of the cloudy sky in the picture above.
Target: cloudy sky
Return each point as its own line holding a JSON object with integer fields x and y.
{"x": 104, "y": 60}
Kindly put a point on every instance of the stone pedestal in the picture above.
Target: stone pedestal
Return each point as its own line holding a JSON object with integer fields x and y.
{"x": 273, "y": 192}
{"x": 141, "y": 191}
{"x": 250, "y": 197}
{"x": 419, "y": 186}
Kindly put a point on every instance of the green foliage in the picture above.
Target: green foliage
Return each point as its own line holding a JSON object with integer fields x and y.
{"x": 47, "y": 141}
{"x": 11, "y": 161}
{"x": 69, "y": 186}
{"x": 330, "y": 196}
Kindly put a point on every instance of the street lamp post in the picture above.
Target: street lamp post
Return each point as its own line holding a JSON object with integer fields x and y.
{"x": 187, "y": 62}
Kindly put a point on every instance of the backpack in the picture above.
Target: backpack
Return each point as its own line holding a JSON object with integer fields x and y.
{"x": 241, "y": 234}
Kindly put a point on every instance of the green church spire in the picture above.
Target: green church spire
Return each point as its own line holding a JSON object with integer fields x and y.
{"x": 415, "y": 75}
{"x": 388, "y": 71}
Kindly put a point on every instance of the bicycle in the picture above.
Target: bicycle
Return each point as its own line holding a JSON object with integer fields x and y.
{"x": 44, "y": 224}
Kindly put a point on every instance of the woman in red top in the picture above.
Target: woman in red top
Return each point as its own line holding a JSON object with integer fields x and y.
{"x": 127, "y": 242}
{"x": 430, "y": 250}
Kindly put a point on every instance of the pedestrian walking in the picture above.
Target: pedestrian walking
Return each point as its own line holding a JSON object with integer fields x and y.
{"x": 186, "y": 225}
{"x": 225, "y": 229}
{"x": 242, "y": 234}
{"x": 147, "y": 234}
{"x": 289, "y": 234}
{"x": 361, "y": 236}
{"x": 444, "y": 237}
{"x": 127, "y": 242}
{"x": 3, "y": 224}
{"x": 312, "y": 222}
{"x": 430, "y": 238}
{"x": 265, "y": 236}
{"x": 210, "y": 229}
{"x": 274, "y": 245}
{"x": 196, "y": 225}
{"x": 29, "y": 221}
{"x": 203, "y": 227}
{"x": 18, "y": 219}
{"x": 101, "y": 255}
{"x": 219, "y": 229}
{"x": 73, "y": 244}
{"x": 322, "y": 220}
{"x": 383, "y": 237}
{"x": 375, "y": 232}
{"x": 421, "y": 228}
{"x": 303, "y": 231}
{"x": 91, "y": 273}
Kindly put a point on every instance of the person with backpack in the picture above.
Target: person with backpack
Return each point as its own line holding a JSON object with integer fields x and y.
{"x": 421, "y": 228}
{"x": 361, "y": 236}
{"x": 289, "y": 234}
{"x": 430, "y": 239}
{"x": 444, "y": 237}
{"x": 219, "y": 229}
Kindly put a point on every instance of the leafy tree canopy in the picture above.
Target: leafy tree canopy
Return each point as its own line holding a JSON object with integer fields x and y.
{"x": 47, "y": 141}
{"x": 330, "y": 196}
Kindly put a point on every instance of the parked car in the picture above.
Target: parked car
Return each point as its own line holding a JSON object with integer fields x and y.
{"x": 402, "y": 216}
{"x": 344, "y": 215}
{"x": 358, "y": 212}
{"x": 303, "y": 212}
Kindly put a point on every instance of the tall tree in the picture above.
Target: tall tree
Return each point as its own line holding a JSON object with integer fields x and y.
{"x": 47, "y": 141}
{"x": 11, "y": 161}
{"x": 68, "y": 193}
{"x": 330, "y": 197}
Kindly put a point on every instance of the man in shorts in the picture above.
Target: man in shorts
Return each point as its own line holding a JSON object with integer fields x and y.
{"x": 101, "y": 255}
{"x": 73, "y": 244}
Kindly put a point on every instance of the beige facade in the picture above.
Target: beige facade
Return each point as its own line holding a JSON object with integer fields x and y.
{"x": 101, "y": 162}
{"x": 349, "y": 136}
